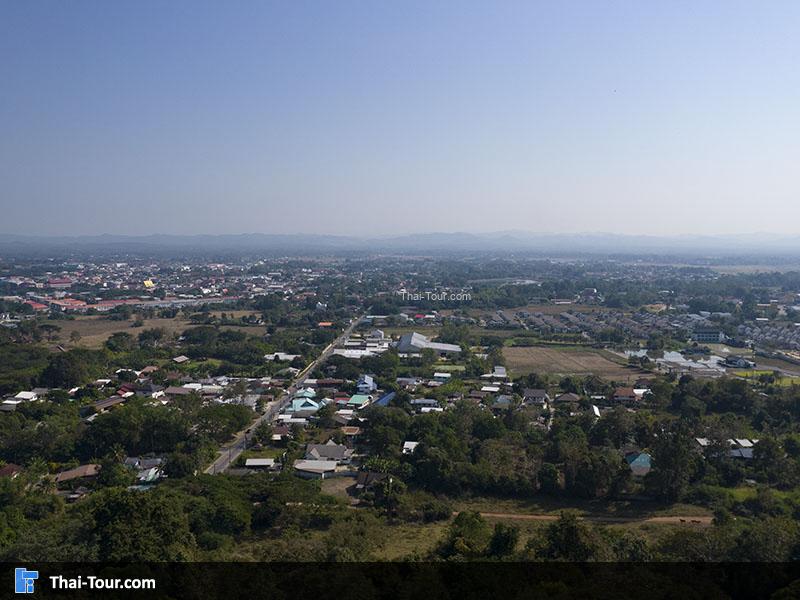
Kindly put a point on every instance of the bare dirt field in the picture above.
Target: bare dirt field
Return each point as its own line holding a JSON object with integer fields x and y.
{"x": 338, "y": 486}
{"x": 566, "y": 361}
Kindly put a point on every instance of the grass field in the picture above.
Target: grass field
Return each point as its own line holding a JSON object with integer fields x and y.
{"x": 96, "y": 329}
{"x": 567, "y": 361}
{"x": 775, "y": 364}
{"x": 784, "y": 381}
{"x": 337, "y": 487}
{"x": 402, "y": 541}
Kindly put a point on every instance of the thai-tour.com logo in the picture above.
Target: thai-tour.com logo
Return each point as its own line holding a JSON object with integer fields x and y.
{"x": 24, "y": 580}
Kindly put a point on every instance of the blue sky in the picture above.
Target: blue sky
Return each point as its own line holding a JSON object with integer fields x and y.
{"x": 192, "y": 117}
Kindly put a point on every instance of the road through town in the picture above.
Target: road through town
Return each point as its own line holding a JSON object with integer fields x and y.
{"x": 230, "y": 451}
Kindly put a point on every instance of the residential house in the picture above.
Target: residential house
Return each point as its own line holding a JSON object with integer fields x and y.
{"x": 150, "y": 390}
{"x": 502, "y": 402}
{"x": 624, "y": 395}
{"x": 408, "y": 383}
{"x": 281, "y": 433}
{"x": 314, "y": 469}
{"x": 366, "y": 385}
{"x": 303, "y": 407}
{"x": 639, "y": 463}
{"x": 267, "y": 464}
{"x": 535, "y": 396}
{"x": 420, "y": 403}
{"x": 173, "y": 391}
{"x": 385, "y": 399}
{"x": 10, "y": 405}
{"x": 305, "y": 393}
{"x": 332, "y": 451}
{"x": 409, "y": 447}
{"x": 103, "y": 405}
{"x": 344, "y": 415}
{"x": 81, "y": 472}
{"x": 351, "y": 431}
{"x": 567, "y": 398}
{"x": 498, "y": 372}
{"x": 738, "y": 362}
{"x": 742, "y": 448}
{"x": 358, "y": 401}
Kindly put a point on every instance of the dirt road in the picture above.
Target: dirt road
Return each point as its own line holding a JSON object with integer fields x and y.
{"x": 677, "y": 520}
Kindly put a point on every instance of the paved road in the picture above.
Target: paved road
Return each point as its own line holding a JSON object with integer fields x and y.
{"x": 229, "y": 452}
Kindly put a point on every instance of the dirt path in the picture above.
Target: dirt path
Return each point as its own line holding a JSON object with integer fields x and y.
{"x": 677, "y": 520}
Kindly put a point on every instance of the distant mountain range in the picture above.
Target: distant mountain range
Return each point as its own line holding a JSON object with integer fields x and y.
{"x": 556, "y": 244}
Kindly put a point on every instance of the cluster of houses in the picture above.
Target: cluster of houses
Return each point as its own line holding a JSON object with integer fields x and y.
{"x": 12, "y": 403}
{"x": 214, "y": 389}
{"x": 75, "y": 482}
{"x": 131, "y": 383}
{"x": 318, "y": 393}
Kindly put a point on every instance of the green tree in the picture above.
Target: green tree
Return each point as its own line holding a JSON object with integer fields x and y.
{"x": 50, "y": 331}
{"x": 180, "y": 464}
{"x": 65, "y": 371}
{"x": 504, "y": 540}
{"x": 674, "y": 464}
{"x": 570, "y": 539}
{"x": 468, "y": 536}
{"x": 121, "y": 342}
{"x": 132, "y": 526}
{"x": 115, "y": 474}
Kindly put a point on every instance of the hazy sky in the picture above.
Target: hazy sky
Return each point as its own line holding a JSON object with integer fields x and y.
{"x": 378, "y": 117}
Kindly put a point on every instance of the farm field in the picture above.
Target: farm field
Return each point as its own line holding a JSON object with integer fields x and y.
{"x": 567, "y": 361}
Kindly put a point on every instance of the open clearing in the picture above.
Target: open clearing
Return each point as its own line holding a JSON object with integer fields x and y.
{"x": 96, "y": 329}
{"x": 566, "y": 361}
{"x": 339, "y": 487}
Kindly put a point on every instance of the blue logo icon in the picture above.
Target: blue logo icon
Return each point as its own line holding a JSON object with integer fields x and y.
{"x": 24, "y": 580}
